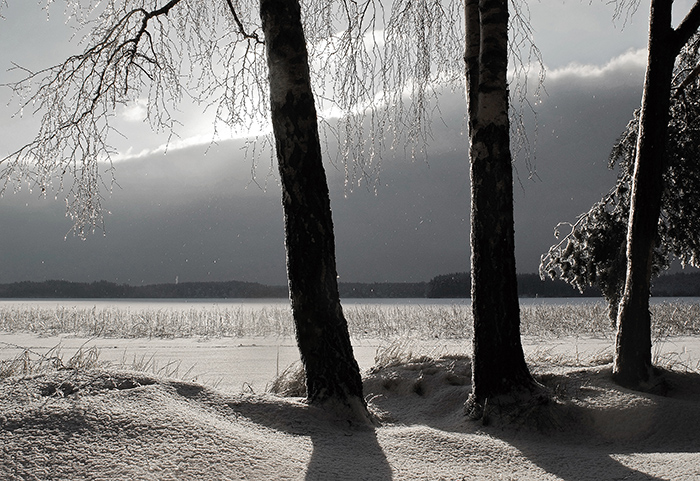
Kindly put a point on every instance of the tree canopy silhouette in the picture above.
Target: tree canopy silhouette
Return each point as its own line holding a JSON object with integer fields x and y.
{"x": 596, "y": 250}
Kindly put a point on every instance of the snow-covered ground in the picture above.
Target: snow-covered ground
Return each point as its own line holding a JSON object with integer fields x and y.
{"x": 123, "y": 425}
{"x": 250, "y": 364}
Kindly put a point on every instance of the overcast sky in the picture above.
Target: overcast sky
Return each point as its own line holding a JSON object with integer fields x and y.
{"x": 195, "y": 213}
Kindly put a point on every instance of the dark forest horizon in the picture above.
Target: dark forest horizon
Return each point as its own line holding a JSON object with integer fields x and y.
{"x": 456, "y": 285}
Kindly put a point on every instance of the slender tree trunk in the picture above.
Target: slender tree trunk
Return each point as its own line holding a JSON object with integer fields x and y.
{"x": 632, "y": 366}
{"x": 332, "y": 374}
{"x": 498, "y": 364}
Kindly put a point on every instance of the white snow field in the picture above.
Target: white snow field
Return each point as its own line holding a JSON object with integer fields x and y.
{"x": 119, "y": 424}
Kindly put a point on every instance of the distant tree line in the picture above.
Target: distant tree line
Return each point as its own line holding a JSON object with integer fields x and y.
{"x": 196, "y": 290}
{"x": 531, "y": 285}
{"x": 457, "y": 285}
{"x": 104, "y": 289}
{"x": 450, "y": 285}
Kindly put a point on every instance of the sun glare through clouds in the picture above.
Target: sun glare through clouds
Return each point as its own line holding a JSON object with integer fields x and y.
{"x": 136, "y": 139}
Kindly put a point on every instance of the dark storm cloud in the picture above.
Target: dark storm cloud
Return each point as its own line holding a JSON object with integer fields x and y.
{"x": 185, "y": 214}
{"x": 196, "y": 214}
{"x": 200, "y": 217}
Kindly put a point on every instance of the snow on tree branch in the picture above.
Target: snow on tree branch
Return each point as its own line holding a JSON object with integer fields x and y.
{"x": 377, "y": 71}
{"x": 131, "y": 52}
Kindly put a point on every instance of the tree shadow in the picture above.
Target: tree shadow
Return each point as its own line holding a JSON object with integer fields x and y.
{"x": 344, "y": 455}
{"x": 637, "y": 423}
{"x": 593, "y": 430}
{"x": 588, "y": 433}
{"x": 340, "y": 451}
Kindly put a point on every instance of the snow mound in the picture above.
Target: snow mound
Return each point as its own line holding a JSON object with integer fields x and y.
{"x": 105, "y": 424}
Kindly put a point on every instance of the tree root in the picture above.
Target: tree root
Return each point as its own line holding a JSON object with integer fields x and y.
{"x": 525, "y": 406}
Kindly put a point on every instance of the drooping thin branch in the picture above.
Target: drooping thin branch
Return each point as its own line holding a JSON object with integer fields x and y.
{"x": 241, "y": 28}
{"x": 79, "y": 98}
{"x": 610, "y": 201}
{"x": 526, "y": 59}
{"x": 378, "y": 74}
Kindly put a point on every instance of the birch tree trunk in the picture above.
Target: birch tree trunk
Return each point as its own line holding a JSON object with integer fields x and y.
{"x": 498, "y": 364}
{"x": 632, "y": 363}
{"x": 332, "y": 374}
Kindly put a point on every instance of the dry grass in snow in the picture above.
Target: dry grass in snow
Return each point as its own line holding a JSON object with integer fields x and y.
{"x": 73, "y": 417}
{"x": 83, "y": 423}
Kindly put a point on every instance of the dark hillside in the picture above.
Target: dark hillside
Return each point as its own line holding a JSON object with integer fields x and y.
{"x": 529, "y": 285}
{"x": 455, "y": 285}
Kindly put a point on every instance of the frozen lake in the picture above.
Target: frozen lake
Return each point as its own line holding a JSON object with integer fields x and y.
{"x": 249, "y": 363}
{"x": 187, "y": 304}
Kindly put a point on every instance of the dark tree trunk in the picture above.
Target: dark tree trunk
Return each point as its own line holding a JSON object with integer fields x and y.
{"x": 332, "y": 374}
{"x": 632, "y": 365}
{"x": 498, "y": 365}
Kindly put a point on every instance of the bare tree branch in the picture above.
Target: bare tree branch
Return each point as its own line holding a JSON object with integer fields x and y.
{"x": 132, "y": 51}
{"x": 687, "y": 28}
{"x": 378, "y": 73}
{"x": 241, "y": 28}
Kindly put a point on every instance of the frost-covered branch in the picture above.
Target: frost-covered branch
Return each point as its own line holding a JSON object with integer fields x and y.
{"x": 241, "y": 28}
{"x": 592, "y": 253}
{"x": 134, "y": 50}
{"x": 378, "y": 71}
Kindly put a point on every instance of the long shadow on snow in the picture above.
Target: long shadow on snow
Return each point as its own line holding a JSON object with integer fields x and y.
{"x": 432, "y": 392}
{"x": 340, "y": 452}
{"x": 637, "y": 423}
